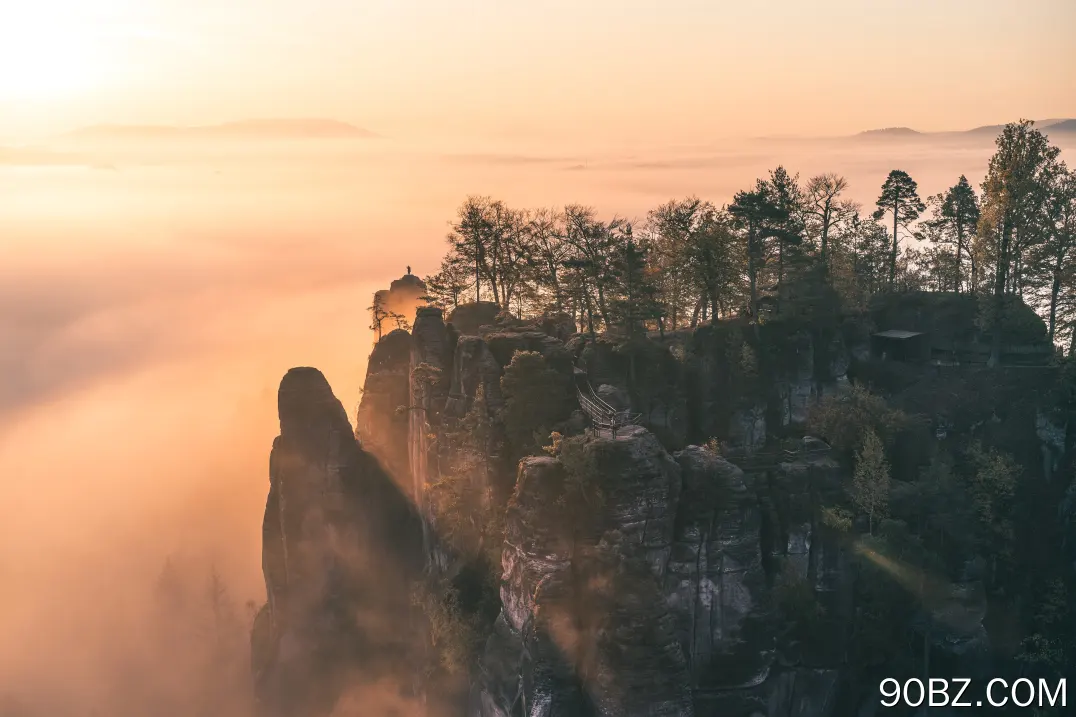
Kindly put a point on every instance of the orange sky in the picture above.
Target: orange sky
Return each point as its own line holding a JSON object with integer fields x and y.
{"x": 684, "y": 70}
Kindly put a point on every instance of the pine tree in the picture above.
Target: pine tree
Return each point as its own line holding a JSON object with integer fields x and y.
{"x": 959, "y": 213}
{"x": 758, "y": 214}
{"x": 788, "y": 223}
{"x": 900, "y": 198}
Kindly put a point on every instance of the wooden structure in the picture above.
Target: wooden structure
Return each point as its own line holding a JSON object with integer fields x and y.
{"x": 603, "y": 417}
{"x": 899, "y": 345}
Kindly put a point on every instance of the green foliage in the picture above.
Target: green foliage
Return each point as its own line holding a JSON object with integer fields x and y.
{"x": 991, "y": 484}
{"x": 870, "y": 482}
{"x": 582, "y": 488}
{"x": 843, "y": 419}
{"x": 1047, "y": 649}
{"x": 426, "y": 374}
{"x": 535, "y": 401}
{"x": 837, "y": 518}
{"x": 456, "y": 634}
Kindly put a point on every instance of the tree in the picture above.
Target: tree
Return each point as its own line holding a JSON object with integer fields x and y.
{"x": 448, "y": 284}
{"x": 958, "y": 213}
{"x": 900, "y": 198}
{"x": 489, "y": 237}
{"x": 1051, "y": 262}
{"x": 824, "y": 208}
{"x": 378, "y": 314}
{"x": 673, "y": 229}
{"x": 759, "y": 216}
{"x": 1014, "y": 193}
{"x": 870, "y": 482}
{"x": 592, "y": 244}
{"x": 636, "y": 301}
{"x": 548, "y": 252}
{"x": 788, "y": 223}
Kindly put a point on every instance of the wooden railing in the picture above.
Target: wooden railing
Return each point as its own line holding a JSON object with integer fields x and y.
{"x": 601, "y": 414}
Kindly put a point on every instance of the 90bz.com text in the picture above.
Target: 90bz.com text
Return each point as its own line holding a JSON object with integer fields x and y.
{"x": 958, "y": 692}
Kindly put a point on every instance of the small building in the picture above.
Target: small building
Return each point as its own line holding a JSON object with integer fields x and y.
{"x": 900, "y": 345}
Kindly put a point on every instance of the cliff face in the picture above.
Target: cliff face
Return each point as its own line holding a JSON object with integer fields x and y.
{"x": 340, "y": 544}
{"x": 584, "y": 611}
{"x": 639, "y": 575}
{"x": 653, "y": 600}
{"x": 650, "y": 600}
{"x": 380, "y": 426}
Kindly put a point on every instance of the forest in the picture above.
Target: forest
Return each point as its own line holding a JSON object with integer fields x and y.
{"x": 691, "y": 260}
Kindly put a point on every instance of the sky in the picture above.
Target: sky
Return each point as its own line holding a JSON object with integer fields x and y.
{"x": 552, "y": 69}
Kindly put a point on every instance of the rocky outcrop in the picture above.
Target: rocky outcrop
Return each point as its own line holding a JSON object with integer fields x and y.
{"x": 715, "y": 581}
{"x": 470, "y": 318}
{"x": 748, "y": 386}
{"x": 397, "y": 304}
{"x": 341, "y": 544}
{"x": 381, "y": 421}
{"x": 582, "y": 592}
{"x": 474, "y": 367}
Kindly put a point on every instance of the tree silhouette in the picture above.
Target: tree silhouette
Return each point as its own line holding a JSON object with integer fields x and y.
{"x": 822, "y": 205}
{"x": 900, "y": 198}
{"x": 1015, "y": 191}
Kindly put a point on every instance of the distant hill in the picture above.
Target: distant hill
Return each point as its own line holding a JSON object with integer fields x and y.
{"x": 244, "y": 129}
{"x": 1048, "y": 126}
{"x": 1062, "y": 126}
{"x": 890, "y": 132}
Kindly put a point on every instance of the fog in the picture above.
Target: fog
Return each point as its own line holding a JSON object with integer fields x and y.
{"x": 151, "y": 298}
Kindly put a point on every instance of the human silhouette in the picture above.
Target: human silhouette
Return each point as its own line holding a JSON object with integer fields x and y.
{"x": 409, "y": 271}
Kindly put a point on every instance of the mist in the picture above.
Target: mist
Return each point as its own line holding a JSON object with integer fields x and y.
{"x": 151, "y": 298}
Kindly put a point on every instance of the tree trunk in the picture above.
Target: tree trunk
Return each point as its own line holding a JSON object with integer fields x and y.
{"x": 893, "y": 251}
{"x": 1055, "y": 291}
{"x": 601, "y": 304}
{"x": 556, "y": 285}
{"x": 973, "y": 285}
{"x": 1000, "y": 281}
{"x": 752, "y": 272}
{"x": 826, "y": 212}
{"x": 959, "y": 249}
{"x": 780, "y": 261}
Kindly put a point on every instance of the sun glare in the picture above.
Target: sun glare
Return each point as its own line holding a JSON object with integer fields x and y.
{"x": 45, "y": 54}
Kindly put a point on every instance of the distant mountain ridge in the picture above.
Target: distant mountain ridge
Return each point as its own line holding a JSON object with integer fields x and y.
{"x": 242, "y": 129}
{"x": 1048, "y": 126}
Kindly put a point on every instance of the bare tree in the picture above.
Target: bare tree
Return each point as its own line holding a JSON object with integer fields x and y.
{"x": 824, "y": 208}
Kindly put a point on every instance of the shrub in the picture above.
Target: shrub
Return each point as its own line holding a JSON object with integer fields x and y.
{"x": 535, "y": 400}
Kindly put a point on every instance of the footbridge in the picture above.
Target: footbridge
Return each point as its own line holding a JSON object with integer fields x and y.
{"x": 603, "y": 417}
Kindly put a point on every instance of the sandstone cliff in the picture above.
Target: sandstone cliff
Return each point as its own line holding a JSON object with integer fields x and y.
{"x": 638, "y": 575}
{"x": 340, "y": 543}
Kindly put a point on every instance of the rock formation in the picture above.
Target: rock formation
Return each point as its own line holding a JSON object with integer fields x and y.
{"x": 639, "y": 575}
{"x": 340, "y": 545}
